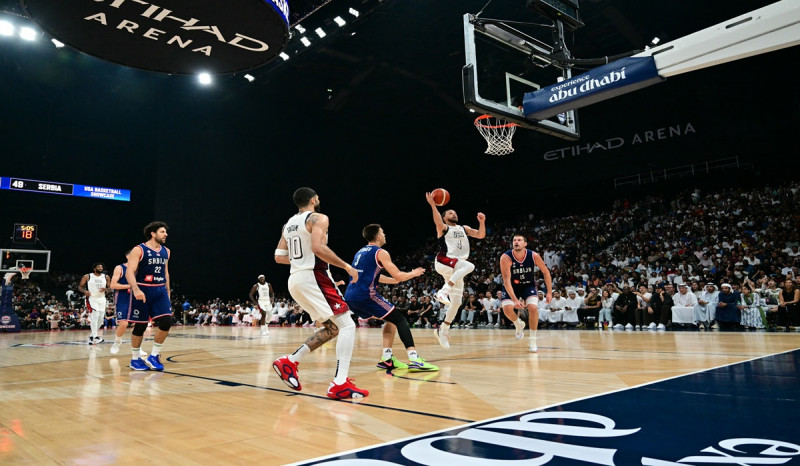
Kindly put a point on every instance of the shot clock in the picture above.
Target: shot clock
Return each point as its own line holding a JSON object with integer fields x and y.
{"x": 25, "y": 233}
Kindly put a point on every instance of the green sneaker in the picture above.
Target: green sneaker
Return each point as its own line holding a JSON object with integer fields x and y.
{"x": 420, "y": 365}
{"x": 391, "y": 364}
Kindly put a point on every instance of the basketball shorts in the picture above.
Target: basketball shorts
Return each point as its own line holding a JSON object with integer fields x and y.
{"x": 266, "y": 306}
{"x": 525, "y": 293}
{"x": 122, "y": 302}
{"x": 366, "y": 307}
{"x": 155, "y": 305}
{"x": 96, "y": 304}
{"x": 316, "y": 292}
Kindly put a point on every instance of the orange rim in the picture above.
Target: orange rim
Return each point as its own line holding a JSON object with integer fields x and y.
{"x": 480, "y": 123}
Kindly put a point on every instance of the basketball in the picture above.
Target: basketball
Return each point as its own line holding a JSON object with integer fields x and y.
{"x": 440, "y": 196}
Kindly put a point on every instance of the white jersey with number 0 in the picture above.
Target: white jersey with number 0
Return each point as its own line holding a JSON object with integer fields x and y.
{"x": 457, "y": 242}
{"x": 298, "y": 239}
{"x": 94, "y": 284}
{"x": 263, "y": 293}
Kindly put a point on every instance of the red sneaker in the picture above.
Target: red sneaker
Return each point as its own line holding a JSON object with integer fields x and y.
{"x": 346, "y": 390}
{"x": 287, "y": 370}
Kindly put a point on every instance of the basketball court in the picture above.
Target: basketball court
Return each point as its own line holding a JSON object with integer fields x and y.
{"x": 219, "y": 401}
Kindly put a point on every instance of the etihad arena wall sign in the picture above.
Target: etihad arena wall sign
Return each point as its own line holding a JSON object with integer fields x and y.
{"x": 169, "y": 36}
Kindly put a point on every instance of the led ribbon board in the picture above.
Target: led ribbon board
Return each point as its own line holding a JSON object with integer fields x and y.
{"x": 65, "y": 189}
{"x": 169, "y": 36}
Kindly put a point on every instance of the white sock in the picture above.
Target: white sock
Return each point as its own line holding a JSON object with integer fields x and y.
{"x": 532, "y": 336}
{"x": 134, "y": 352}
{"x": 387, "y": 353}
{"x": 118, "y": 340}
{"x": 444, "y": 327}
{"x": 156, "y": 348}
{"x": 299, "y": 353}
{"x": 412, "y": 355}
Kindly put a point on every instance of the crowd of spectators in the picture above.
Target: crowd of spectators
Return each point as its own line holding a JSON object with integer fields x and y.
{"x": 601, "y": 264}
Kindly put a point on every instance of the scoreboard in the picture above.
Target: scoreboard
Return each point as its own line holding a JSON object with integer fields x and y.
{"x": 65, "y": 189}
{"x": 25, "y": 233}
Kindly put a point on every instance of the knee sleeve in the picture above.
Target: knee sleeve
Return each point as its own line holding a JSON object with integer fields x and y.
{"x": 164, "y": 323}
{"x": 347, "y": 336}
{"x": 402, "y": 328}
{"x": 139, "y": 328}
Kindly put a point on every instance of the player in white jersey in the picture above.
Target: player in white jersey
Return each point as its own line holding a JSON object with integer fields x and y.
{"x": 263, "y": 304}
{"x": 303, "y": 246}
{"x": 451, "y": 262}
{"x": 94, "y": 286}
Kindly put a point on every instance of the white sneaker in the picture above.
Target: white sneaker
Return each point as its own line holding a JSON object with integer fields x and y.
{"x": 532, "y": 348}
{"x": 618, "y": 327}
{"x": 497, "y": 325}
{"x": 443, "y": 297}
{"x": 652, "y": 326}
{"x": 661, "y": 327}
{"x": 629, "y": 327}
{"x": 520, "y": 326}
{"x": 98, "y": 340}
{"x": 443, "y": 337}
{"x": 115, "y": 347}
{"x": 264, "y": 330}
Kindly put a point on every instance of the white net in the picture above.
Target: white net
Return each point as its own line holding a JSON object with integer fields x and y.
{"x": 25, "y": 272}
{"x": 498, "y": 134}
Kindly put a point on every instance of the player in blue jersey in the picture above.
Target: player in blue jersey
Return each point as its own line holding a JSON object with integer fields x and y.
{"x": 122, "y": 303}
{"x": 364, "y": 300}
{"x": 519, "y": 287}
{"x": 148, "y": 277}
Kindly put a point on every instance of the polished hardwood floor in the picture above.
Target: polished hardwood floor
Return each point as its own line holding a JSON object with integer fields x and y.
{"x": 219, "y": 401}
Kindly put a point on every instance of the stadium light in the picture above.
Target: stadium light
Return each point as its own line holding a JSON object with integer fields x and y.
{"x": 249, "y": 77}
{"x": 305, "y": 41}
{"x": 57, "y": 43}
{"x": 27, "y": 33}
{"x": 320, "y": 32}
{"x": 204, "y": 79}
{"x": 338, "y": 20}
{"x": 300, "y": 29}
{"x": 284, "y": 56}
{"x": 353, "y": 12}
{"x": 6, "y": 28}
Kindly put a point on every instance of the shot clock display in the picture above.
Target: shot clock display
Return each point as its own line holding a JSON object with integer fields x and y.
{"x": 25, "y": 233}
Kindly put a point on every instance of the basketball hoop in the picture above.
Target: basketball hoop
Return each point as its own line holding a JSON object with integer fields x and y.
{"x": 498, "y": 134}
{"x": 25, "y": 272}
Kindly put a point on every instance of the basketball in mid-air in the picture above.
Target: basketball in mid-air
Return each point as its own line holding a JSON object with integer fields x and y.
{"x": 440, "y": 196}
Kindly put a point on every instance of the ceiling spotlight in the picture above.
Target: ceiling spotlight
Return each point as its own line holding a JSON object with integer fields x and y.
{"x": 6, "y": 28}
{"x": 655, "y": 41}
{"x": 204, "y": 79}
{"x": 353, "y": 12}
{"x": 284, "y": 56}
{"x": 305, "y": 41}
{"x": 320, "y": 32}
{"x": 338, "y": 20}
{"x": 27, "y": 33}
{"x": 57, "y": 43}
{"x": 249, "y": 77}
{"x": 300, "y": 29}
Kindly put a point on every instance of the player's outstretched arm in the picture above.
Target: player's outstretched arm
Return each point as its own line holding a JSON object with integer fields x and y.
{"x": 437, "y": 216}
{"x": 115, "y": 278}
{"x": 282, "y": 252}
{"x": 480, "y": 233}
{"x": 319, "y": 238}
{"x": 548, "y": 280}
{"x": 386, "y": 260}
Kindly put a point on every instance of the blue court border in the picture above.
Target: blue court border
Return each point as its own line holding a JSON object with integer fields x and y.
{"x": 741, "y": 413}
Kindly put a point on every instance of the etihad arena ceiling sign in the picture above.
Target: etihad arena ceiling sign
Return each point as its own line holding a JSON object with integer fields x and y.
{"x": 169, "y": 36}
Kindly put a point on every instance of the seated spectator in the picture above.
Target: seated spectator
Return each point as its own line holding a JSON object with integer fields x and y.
{"x": 750, "y": 306}
{"x": 728, "y": 314}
